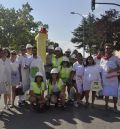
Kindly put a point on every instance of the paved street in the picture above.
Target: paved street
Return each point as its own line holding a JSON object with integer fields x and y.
{"x": 77, "y": 118}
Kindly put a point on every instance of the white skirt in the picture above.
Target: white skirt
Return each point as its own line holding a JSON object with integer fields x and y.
{"x": 5, "y": 88}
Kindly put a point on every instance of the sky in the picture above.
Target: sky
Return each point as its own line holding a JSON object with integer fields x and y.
{"x": 56, "y": 13}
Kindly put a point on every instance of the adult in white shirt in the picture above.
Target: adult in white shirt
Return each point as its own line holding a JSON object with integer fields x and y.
{"x": 24, "y": 73}
{"x": 5, "y": 77}
{"x": 110, "y": 65}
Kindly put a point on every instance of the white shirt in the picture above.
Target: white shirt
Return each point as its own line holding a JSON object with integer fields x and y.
{"x": 75, "y": 68}
{"x": 37, "y": 62}
{"x": 14, "y": 66}
{"x": 112, "y": 62}
{"x": 91, "y": 73}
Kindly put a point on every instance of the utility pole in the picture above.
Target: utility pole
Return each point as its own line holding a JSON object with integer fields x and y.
{"x": 83, "y": 31}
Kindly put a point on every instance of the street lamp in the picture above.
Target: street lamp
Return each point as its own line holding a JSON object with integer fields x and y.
{"x": 83, "y": 31}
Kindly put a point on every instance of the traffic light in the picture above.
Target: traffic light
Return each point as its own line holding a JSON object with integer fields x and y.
{"x": 93, "y": 5}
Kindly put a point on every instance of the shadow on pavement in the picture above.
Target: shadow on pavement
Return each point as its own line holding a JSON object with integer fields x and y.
{"x": 23, "y": 118}
{"x": 89, "y": 114}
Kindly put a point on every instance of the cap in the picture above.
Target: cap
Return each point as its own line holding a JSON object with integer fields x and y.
{"x": 54, "y": 70}
{"x": 29, "y": 46}
{"x": 65, "y": 59}
{"x": 51, "y": 47}
{"x": 58, "y": 49}
{"x": 39, "y": 74}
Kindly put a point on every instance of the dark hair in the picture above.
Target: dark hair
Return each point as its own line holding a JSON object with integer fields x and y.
{"x": 108, "y": 44}
{"x": 50, "y": 80}
{"x": 79, "y": 54}
{"x": 37, "y": 77}
{"x": 87, "y": 63}
{"x": 8, "y": 52}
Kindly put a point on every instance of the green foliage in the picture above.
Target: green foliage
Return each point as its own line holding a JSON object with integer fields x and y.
{"x": 17, "y": 27}
{"x": 85, "y": 34}
{"x": 108, "y": 28}
{"x": 98, "y": 31}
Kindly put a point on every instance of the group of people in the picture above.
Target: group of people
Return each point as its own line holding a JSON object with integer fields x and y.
{"x": 64, "y": 78}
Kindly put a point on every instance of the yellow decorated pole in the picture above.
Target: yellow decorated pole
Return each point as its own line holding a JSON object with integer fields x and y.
{"x": 41, "y": 39}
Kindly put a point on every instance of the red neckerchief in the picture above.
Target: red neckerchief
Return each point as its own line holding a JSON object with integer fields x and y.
{"x": 43, "y": 30}
{"x": 98, "y": 57}
{"x": 107, "y": 57}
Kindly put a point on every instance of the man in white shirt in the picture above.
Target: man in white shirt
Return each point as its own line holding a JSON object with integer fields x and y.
{"x": 24, "y": 73}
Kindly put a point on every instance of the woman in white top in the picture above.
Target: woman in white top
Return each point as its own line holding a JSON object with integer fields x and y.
{"x": 5, "y": 77}
{"x": 15, "y": 77}
{"x": 91, "y": 74}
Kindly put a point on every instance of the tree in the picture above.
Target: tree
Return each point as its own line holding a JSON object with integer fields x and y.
{"x": 98, "y": 31}
{"x": 108, "y": 28}
{"x": 17, "y": 26}
{"x": 89, "y": 33}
